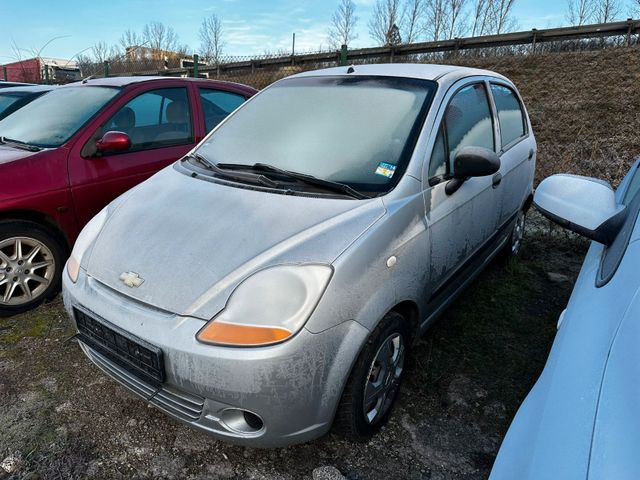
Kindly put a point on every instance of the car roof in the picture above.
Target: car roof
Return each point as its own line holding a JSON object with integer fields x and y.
{"x": 4, "y": 84}
{"x": 130, "y": 80}
{"x": 28, "y": 89}
{"x": 425, "y": 71}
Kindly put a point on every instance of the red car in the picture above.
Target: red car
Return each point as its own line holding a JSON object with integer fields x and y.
{"x": 68, "y": 153}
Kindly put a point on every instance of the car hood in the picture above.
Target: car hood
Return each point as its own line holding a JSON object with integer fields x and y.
{"x": 192, "y": 241}
{"x": 11, "y": 154}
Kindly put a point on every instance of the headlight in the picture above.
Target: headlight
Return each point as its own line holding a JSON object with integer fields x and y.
{"x": 269, "y": 306}
{"x": 86, "y": 237}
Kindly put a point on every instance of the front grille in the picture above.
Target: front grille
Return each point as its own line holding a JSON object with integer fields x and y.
{"x": 175, "y": 402}
{"x": 129, "y": 352}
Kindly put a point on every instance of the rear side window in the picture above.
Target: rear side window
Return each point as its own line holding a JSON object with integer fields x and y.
{"x": 155, "y": 119}
{"x": 510, "y": 114}
{"x": 467, "y": 123}
{"x": 217, "y": 104}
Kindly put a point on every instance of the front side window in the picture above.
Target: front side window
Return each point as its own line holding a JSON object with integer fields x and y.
{"x": 468, "y": 120}
{"x": 52, "y": 119}
{"x": 154, "y": 119}
{"x": 510, "y": 115}
{"x": 357, "y": 130}
{"x": 217, "y": 104}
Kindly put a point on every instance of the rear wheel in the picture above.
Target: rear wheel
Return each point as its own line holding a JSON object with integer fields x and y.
{"x": 372, "y": 388}
{"x": 31, "y": 261}
{"x": 514, "y": 245}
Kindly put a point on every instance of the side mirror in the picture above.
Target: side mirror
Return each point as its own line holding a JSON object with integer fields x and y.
{"x": 472, "y": 162}
{"x": 584, "y": 205}
{"x": 113, "y": 142}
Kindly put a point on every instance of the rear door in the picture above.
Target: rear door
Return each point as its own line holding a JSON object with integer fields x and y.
{"x": 462, "y": 223}
{"x": 517, "y": 150}
{"x": 159, "y": 122}
{"x": 216, "y": 104}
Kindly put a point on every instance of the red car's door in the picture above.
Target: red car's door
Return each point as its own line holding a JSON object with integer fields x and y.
{"x": 159, "y": 118}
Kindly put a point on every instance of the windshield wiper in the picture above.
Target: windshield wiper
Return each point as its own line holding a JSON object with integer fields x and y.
{"x": 19, "y": 144}
{"x": 246, "y": 177}
{"x": 303, "y": 177}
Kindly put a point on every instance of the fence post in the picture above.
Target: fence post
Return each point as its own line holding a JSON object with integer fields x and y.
{"x": 629, "y": 29}
{"x": 195, "y": 66}
{"x": 106, "y": 68}
{"x": 534, "y": 40}
{"x": 343, "y": 55}
{"x": 4, "y": 69}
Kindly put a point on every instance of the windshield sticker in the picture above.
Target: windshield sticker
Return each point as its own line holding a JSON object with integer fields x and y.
{"x": 385, "y": 169}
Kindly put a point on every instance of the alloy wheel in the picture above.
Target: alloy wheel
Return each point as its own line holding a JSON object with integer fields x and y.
{"x": 27, "y": 268}
{"x": 518, "y": 233}
{"x": 384, "y": 378}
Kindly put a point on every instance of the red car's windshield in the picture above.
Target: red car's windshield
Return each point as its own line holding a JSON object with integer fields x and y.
{"x": 52, "y": 119}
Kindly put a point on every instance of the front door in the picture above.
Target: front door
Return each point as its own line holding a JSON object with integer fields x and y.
{"x": 160, "y": 124}
{"x": 460, "y": 223}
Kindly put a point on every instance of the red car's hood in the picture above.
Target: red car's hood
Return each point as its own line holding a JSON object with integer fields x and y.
{"x": 10, "y": 154}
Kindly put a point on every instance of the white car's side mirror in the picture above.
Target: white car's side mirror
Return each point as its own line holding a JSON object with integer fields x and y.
{"x": 583, "y": 205}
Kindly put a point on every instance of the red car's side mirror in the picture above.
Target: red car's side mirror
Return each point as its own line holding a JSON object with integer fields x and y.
{"x": 113, "y": 142}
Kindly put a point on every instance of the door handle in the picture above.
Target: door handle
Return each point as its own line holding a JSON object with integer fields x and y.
{"x": 531, "y": 152}
{"x": 497, "y": 178}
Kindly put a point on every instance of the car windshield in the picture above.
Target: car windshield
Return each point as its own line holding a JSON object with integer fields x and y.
{"x": 8, "y": 99}
{"x": 52, "y": 119}
{"x": 359, "y": 131}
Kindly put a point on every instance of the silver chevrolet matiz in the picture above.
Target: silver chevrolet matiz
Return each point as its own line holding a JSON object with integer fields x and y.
{"x": 269, "y": 285}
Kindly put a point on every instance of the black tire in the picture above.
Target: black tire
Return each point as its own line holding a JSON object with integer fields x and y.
{"x": 514, "y": 245}
{"x": 54, "y": 250}
{"x": 351, "y": 419}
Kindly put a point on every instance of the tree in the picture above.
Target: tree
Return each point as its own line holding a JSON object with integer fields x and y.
{"x": 607, "y": 10}
{"x": 580, "y": 12}
{"x": 480, "y": 18}
{"x": 436, "y": 19}
{"x": 454, "y": 21}
{"x": 387, "y": 14}
{"x": 501, "y": 19}
{"x": 414, "y": 25}
{"x": 160, "y": 39}
{"x": 343, "y": 25}
{"x": 211, "y": 39}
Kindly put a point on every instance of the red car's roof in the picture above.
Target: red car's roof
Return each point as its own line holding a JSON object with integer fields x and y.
{"x": 124, "y": 81}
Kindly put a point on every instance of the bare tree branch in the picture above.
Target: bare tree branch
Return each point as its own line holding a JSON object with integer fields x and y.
{"x": 385, "y": 21}
{"x": 414, "y": 27}
{"x": 580, "y": 12}
{"x": 160, "y": 39}
{"x": 436, "y": 16}
{"x": 343, "y": 25}
{"x": 211, "y": 39}
{"x": 607, "y": 10}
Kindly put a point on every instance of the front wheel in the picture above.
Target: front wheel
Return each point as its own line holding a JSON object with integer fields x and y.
{"x": 31, "y": 261}
{"x": 375, "y": 380}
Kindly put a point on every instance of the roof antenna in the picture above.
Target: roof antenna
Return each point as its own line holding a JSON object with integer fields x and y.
{"x": 86, "y": 79}
{"x": 351, "y": 69}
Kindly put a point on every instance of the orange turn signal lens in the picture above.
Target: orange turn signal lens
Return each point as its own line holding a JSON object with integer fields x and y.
{"x": 73, "y": 269}
{"x": 249, "y": 335}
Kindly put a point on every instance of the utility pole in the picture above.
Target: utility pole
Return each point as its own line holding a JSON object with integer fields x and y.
{"x": 293, "y": 45}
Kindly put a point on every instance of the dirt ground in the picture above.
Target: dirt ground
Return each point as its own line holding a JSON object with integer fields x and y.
{"x": 60, "y": 417}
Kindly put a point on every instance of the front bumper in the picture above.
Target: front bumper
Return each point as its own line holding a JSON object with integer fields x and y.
{"x": 294, "y": 387}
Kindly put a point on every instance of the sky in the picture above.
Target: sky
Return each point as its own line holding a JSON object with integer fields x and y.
{"x": 65, "y": 28}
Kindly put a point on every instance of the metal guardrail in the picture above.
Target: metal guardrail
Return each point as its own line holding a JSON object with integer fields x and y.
{"x": 626, "y": 28}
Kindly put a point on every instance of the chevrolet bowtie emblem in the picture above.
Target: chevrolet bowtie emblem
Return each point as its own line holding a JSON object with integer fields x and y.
{"x": 131, "y": 279}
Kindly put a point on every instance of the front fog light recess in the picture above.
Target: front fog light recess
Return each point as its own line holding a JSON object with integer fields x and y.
{"x": 269, "y": 306}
